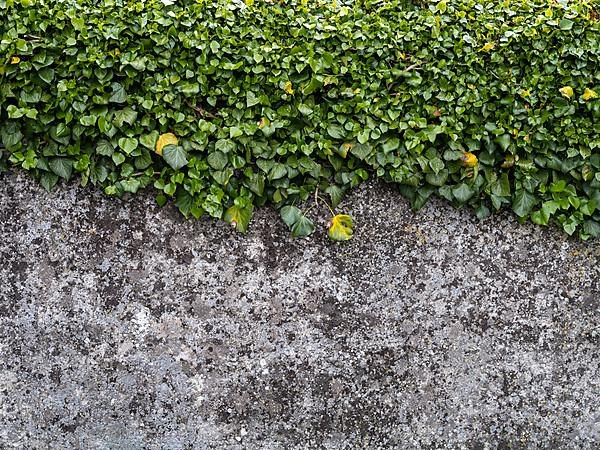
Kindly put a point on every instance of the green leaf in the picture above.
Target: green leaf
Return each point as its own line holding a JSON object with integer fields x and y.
{"x": 149, "y": 140}
{"x": 501, "y": 187}
{"x": 290, "y": 215}
{"x": 119, "y": 95}
{"x": 503, "y": 141}
{"x": 104, "y": 148}
{"x": 217, "y": 160}
{"x": 569, "y": 227}
{"x": 128, "y": 145}
{"x": 312, "y": 86}
{"x": 62, "y": 167}
{"x": 48, "y": 180}
{"x": 390, "y": 145}
{"x": 436, "y": 165}
{"x": 161, "y": 200}
{"x": 47, "y": 74}
{"x": 592, "y": 228}
{"x": 175, "y": 156}
{"x": 118, "y": 158}
{"x": 305, "y": 109}
{"x": 462, "y": 193}
{"x": 565, "y": 24}
{"x": 336, "y": 194}
{"x": 124, "y": 116}
{"x": 189, "y": 88}
{"x": 303, "y": 227}
{"x": 257, "y": 184}
{"x": 277, "y": 171}
{"x": 335, "y": 131}
{"x": 251, "y": 99}
{"x": 361, "y": 151}
{"x": 131, "y": 185}
{"x": 523, "y": 203}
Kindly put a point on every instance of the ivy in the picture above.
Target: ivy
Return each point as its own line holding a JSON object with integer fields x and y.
{"x": 222, "y": 106}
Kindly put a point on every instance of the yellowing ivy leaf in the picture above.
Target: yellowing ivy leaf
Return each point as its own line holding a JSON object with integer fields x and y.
{"x": 239, "y": 217}
{"x": 488, "y": 47}
{"x": 589, "y": 94}
{"x": 288, "y": 88}
{"x": 263, "y": 122}
{"x": 566, "y": 91}
{"x": 164, "y": 140}
{"x": 344, "y": 148}
{"x": 15, "y": 60}
{"x": 340, "y": 227}
{"x": 468, "y": 159}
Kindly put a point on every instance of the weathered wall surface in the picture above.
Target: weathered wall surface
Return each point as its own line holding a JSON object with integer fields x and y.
{"x": 124, "y": 326}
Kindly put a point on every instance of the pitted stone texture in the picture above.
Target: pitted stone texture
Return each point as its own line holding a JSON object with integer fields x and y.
{"x": 122, "y": 325}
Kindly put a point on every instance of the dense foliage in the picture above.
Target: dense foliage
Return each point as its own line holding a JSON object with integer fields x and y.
{"x": 224, "y": 105}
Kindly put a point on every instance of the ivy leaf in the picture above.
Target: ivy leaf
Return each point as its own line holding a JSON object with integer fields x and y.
{"x": 63, "y": 167}
{"x": 128, "y": 145}
{"x": 257, "y": 184}
{"x": 104, "y": 148}
{"x": 150, "y": 140}
{"x": 361, "y": 151}
{"x": 503, "y": 141}
{"x": 297, "y": 221}
{"x": 335, "y": 194}
{"x": 131, "y": 185}
{"x": 463, "y": 193}
{"x": 239, "y": 217}
{"x": 312, "y": 86}
{"x": 124, "y": 116}
{"x": 175, "y": 156}
{"x": 119, "y": 95}
{"x": 290, "y": 215}
{"x": 523, "y": 203}
{"x": 217, "y": 160}
{"x": 164, "y": 140}
{"x": 47, "y": 74}
{"x": 340, "y": 227}
{"x": 335, "y": 131}
{"x": 277, "y": 171}
{"x": 303, "y": 227}
{"x": 251, "y": 99}
{"x": 48, "y": 180}
{"x": 567, "y": 92}
{"x": 565, "y": 24}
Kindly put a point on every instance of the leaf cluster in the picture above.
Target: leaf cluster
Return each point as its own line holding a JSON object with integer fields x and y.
{"x": 486, "y": 104}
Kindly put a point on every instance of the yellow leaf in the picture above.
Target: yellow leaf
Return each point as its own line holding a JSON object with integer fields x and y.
{"x": 589, "y": 94}
{"x": 263, "y": 122}
{"x": 288, "y": 88}
{"x": 15, "y": 60}
{"x": 340, "y": 227}
{"x": 164, "y": 140}
{"x": 488, "y": 46}
{"x": 344, "y": 149}
{"x": 239, "y": 217}
{"x": 468, "y": 159}
{"x": 566, "y": 91}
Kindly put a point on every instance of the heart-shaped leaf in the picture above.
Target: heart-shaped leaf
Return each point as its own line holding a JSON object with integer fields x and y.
{"x": 340, "y": 227}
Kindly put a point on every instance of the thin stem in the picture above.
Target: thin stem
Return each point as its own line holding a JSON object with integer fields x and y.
{"x": 327, "y": 204}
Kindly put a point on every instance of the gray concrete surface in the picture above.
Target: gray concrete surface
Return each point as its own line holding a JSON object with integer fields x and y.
{"x": 123, "y": 326}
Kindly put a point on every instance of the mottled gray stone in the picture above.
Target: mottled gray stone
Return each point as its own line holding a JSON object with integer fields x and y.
{"x": 124, "y": 326}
